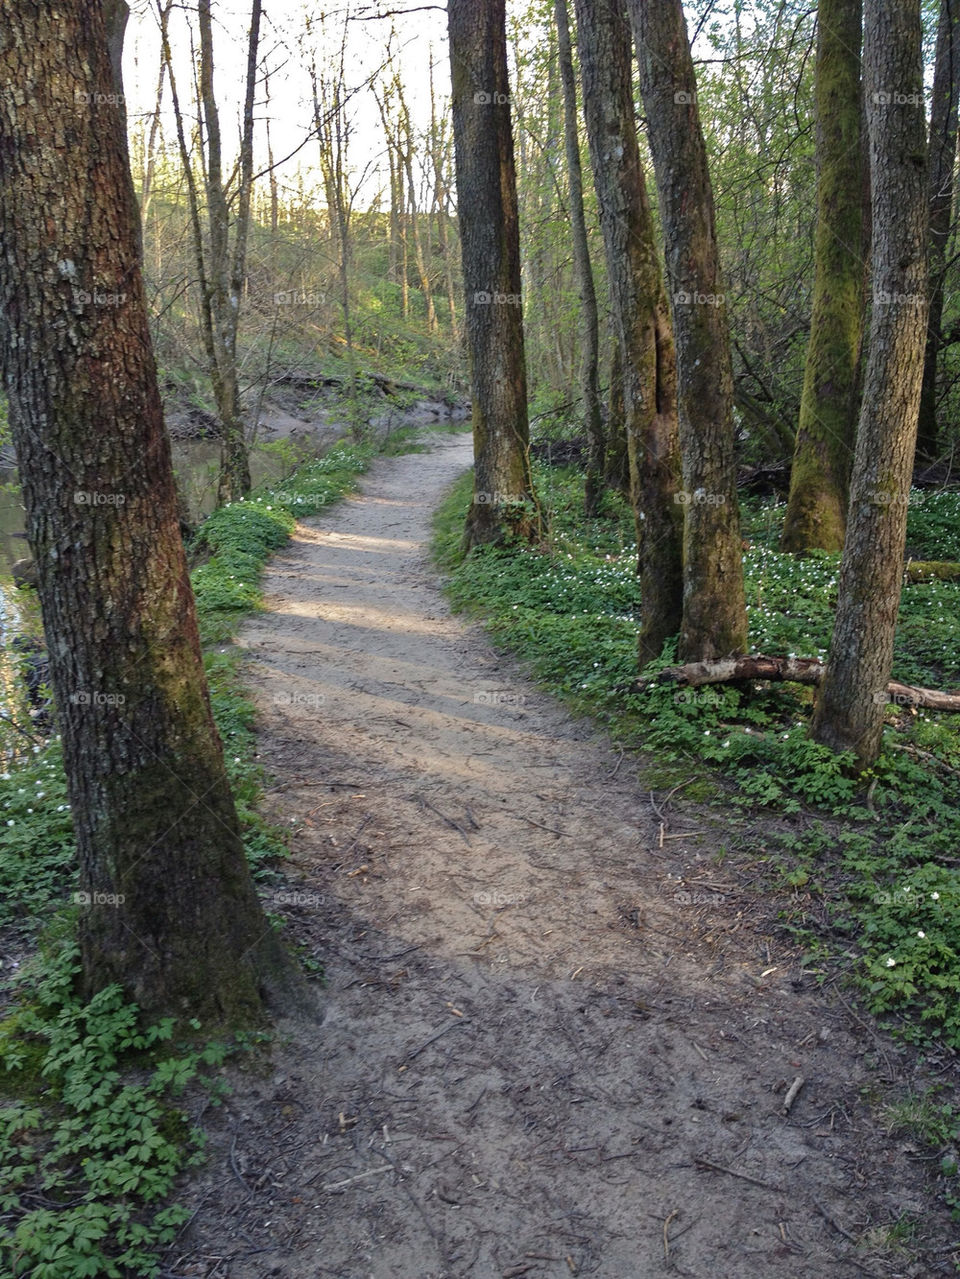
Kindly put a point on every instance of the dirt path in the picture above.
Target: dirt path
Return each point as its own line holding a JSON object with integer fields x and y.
{"x": 540, "y": 1054}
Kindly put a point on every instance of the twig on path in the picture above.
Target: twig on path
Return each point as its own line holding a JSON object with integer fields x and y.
{"x": 791, "y": 1095}
{"x": 616, "y": 767}
{"x": 433, "y": 1038}
{"x": 833, "y": 1222}
{"x": 551, "y": 829}
{"x": 371, "y": 1172}
{"x": 744, "y": 1176}
{"x": 666, "y": 1237}
{"x": 233, "y": 1164}
{"x": 449, "y": 820}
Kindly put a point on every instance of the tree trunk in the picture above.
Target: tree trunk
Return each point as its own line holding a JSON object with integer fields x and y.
{"x": 583, "y": 273}
{"x": 616, "y": 468}
{"x": 640, "y": 314}
{"x": 849, "y": 713}
{"x": 490, "y": 249}
{"x": 406, "y": 157}
{"x": 817, "y": 507}
{"x": 714, "y": 608}
{"x": 170, "y": 909}
{"x": 942, "y": 155}
{"x": 234, "y": 478}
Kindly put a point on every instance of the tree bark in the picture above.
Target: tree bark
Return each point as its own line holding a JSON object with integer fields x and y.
{"x": 942, "y": 157}
{"x": 848, "y": 715}
{"x": 817, "y": 507}
{"x": 171, "y": 912}
{"x": 583, "y": 273}
{"x": 714, "y": 607}
{"x": 640, "y": 314}
{"x": 490, "y": 249}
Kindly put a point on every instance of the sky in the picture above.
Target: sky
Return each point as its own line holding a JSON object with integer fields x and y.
{"x": 285, "y": 54}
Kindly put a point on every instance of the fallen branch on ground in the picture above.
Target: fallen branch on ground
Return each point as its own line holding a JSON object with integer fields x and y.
{"x": 795, "y": 670}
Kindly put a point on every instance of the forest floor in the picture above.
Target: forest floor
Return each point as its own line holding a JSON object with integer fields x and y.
{"x": 550, "y": 1043}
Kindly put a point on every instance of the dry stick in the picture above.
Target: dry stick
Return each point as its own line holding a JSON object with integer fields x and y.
{"x": 754, "y": 1181}
{"x": 666, "y": 1238}
{"x": 836, "y": 1225}
{"x": 450, "y": 822}
{"x": 434, "y": 1038}
{"x": 371, "y": 1172}
{"x": 551, "y": 829}
{"x": 792, "y": 1092}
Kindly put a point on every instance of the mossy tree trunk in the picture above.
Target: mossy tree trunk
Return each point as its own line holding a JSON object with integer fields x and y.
{"x": 589, "y": 325}
{"x": 172, "y": 913}
{"x": 490, "y": 249}
{"x": 942, "y": 151}
{"x": 641, "y": 315}
{"x": 850, "y": 710}
{"x": 819, "y": 482}
{"x": 714, "y": 608}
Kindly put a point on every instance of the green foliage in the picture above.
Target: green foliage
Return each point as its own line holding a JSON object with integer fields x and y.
{"x": 37, "y": 856}
{"x": 93, "y": 1144}
{"x": 885, "y": 864}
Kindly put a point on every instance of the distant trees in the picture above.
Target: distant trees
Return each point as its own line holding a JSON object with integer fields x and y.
{"x": 817, "y": 508}
{"x": 171, "y": 912}
{"x": 220, "y": 264}
{"x": 589, "y": 324}
{"x": 850, "y": 711}
{"x": 647, "y": 369}
{"x": 490, "y": 248}
{"x": 714, "y": 609}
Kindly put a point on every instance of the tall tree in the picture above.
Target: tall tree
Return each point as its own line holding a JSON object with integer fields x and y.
{"x": 641, "y": 315}
{"x": 583, "y": 271}
{"x": 490, "y": 249}
{"x": 850, "y": 710}
{"x": 823, "y": 453}
{"x": 172, "y": 913}
{"x": 942, "y": 152}
{"x": 221, "y": 270}
{"x": 714, "y": 606}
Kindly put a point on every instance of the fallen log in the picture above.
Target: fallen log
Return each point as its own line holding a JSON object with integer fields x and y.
{"x": 932, "y": 570}
{"x": 795, "y": 670}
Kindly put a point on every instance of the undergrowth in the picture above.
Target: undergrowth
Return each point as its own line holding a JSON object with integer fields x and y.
{"x": 92, "y": 1139}
{"x": 876, "y": 853}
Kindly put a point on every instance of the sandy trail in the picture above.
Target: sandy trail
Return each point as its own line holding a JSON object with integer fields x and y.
{"x": 541, "y": 1053}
